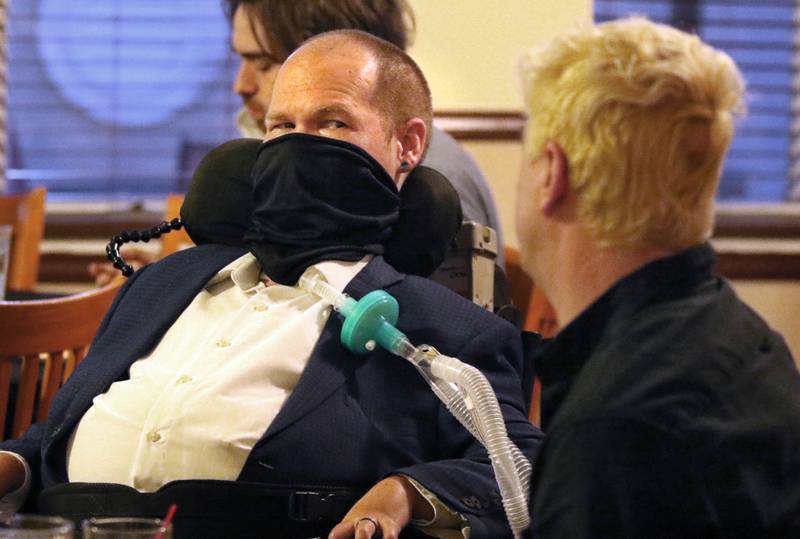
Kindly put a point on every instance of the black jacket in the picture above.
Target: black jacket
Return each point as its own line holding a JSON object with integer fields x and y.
{"x": 671, "y": 410}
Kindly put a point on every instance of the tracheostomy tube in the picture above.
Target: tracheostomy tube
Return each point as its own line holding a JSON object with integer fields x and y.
{"x": 465, "y": 391}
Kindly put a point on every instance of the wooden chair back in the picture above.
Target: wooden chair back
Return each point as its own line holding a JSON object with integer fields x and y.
{"x": 177, "y": 239}
{"x": 43, "y": 341}
{"x": 25, "y": 213}
{"x": 537, "y": 313}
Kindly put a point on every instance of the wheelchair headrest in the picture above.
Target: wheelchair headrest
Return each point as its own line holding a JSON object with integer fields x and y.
{"x": 219, "y": 203}
{"x": 430, "y": 216}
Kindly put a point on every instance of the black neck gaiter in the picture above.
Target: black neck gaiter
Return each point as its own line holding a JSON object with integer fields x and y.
{"x": 316, "y": 199}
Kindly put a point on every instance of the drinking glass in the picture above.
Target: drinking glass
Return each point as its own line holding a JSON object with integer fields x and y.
{"x": 126, "y": 528}
{"x": 22, "y": 526}
{"x": 5, "y": 255}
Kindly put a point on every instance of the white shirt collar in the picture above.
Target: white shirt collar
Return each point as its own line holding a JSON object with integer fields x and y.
{"x": 248, "y": 127}
{"x": 246, "y": 273}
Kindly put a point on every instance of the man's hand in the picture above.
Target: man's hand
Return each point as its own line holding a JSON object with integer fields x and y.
{"x": 104, "y": 272}
{"x": 12, "y": 474}
{"x": 383, "y": 511}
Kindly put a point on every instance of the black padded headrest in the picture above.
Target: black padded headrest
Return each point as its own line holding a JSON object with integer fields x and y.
{"x": 430, "y": 216}
{"x": 219, "y": 203}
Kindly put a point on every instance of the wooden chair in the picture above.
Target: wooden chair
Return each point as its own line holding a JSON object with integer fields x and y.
{"x": 177, "y": 239}
{"x": 45, "y": 340}
{"x": 537, "y": 313}
{"x": 25, "y": 213}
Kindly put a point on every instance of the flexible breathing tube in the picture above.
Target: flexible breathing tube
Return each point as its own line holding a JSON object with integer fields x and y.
{"x": 463, "y": 389}
{"x": 511, "y": 468}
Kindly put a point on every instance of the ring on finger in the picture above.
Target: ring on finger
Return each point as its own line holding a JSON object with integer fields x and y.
{"x": 368, "y": 519}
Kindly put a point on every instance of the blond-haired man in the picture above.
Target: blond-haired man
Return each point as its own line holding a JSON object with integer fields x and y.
{"x": 671, "y": 409}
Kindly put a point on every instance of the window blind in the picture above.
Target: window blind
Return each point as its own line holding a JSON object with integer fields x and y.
{"x": 116, "y": 98}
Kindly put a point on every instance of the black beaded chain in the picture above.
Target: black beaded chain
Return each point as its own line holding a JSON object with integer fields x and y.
{"x": 112, "y": 249}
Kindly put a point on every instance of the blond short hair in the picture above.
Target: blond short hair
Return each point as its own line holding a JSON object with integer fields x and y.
{"x": 644, "y": 113}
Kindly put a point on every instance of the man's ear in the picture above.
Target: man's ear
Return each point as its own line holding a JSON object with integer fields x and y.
{"x": 411, "y": 140}
{"x": 555, "y": 188}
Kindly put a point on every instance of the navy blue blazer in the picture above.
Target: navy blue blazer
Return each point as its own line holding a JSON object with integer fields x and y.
{"x": 351, "y": 420}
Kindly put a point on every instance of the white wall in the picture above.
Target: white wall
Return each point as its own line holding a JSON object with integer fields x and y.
{"x": 778, "y": 302}
{"x": 469, "y": 51}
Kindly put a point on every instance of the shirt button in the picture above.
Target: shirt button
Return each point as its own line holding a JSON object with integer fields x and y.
{"x": 183, "y": 379}
{"x": 260, "y": 307}
{"x": 153, "y": 436}
{"x": 222, "y": 343}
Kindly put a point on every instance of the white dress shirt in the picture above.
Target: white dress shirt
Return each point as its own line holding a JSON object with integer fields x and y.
{"x": 187, "y": 409}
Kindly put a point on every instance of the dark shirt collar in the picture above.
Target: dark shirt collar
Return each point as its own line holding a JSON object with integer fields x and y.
{"x": 666, "y": 278}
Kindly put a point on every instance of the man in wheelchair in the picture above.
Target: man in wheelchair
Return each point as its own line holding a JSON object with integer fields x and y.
{"x": 217, "y": 382}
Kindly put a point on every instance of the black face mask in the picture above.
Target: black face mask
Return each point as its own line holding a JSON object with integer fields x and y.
{"x": 219, "y": 203}
{"x": 316, "y": 199}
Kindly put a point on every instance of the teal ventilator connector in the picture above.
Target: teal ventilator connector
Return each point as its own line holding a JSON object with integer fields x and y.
{"x": 370, "y": 322}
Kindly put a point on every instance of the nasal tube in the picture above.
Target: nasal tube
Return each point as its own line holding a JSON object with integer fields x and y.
{"x": 463, "y": 389}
